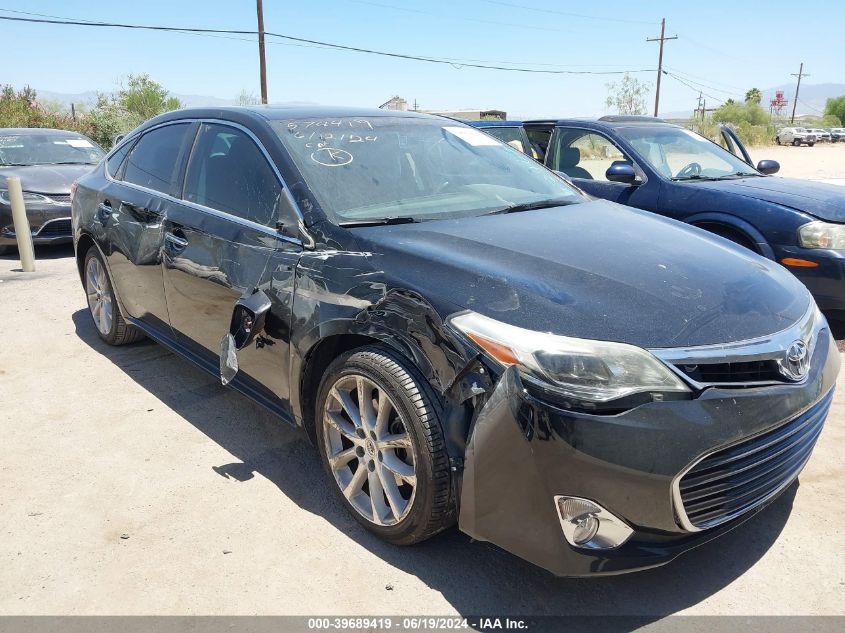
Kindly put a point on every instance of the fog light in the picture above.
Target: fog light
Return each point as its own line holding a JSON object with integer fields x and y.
{"x": 585, "y": 529}
{"x": 587, "y": 525}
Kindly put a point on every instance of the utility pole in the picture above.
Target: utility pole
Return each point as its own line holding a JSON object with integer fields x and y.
{"x": 660, "y": 39}
{"x": 800, "y": 74}
{"x": 262, "y": 62}
{"x": 699, "y": 108}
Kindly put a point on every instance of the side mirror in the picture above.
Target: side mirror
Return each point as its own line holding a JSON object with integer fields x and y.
{"x": 621, "y": 171}
{"x": 768, "y": 167}
{"x": 248, "y": 318}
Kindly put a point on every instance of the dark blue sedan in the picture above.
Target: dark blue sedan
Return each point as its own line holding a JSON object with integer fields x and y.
{"x": 650, "y": 164}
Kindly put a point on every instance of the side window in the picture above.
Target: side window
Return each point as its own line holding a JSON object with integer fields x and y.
{"x": 153, "y": 161}
{"x": 510, "y": 135}
{"x": 228, "y": 172}
{"x": 586, "y": 155}
{"x": 116, "y": 160}
{"x": 539, "y": 138}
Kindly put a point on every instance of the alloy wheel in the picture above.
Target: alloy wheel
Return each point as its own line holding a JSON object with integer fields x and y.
{"x": 98, "y": 289}
{"x": 369, "y": 450}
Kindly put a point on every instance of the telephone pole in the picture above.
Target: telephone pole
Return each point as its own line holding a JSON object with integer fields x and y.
{"x": 262, "y": 62}
{"x": 800, "y": 74}
{"x": 699, "y": 108}
{"x": 660, "y": 39}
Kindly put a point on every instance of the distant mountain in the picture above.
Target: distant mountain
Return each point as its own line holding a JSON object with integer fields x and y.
{"x": 811, "y": 99}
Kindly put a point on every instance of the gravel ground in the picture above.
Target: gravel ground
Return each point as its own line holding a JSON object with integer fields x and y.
{"x": 824, "y": 161}
{"x": 133, "y": 483}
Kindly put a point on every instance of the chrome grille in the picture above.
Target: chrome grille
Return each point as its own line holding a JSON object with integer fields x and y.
{"x": 736, "y": 479}
{"x": 56, "y": 228}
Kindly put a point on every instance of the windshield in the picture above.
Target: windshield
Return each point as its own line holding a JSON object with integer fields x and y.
{"x": 683, "y": 155}
{"x": 377, "y": 168}
{"x": 48, "y": 149}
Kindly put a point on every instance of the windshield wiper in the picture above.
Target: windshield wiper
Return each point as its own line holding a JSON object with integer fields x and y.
{"x": 71, "y": 162}
{"x": 378, "y": 222}
{"x": 530, "y": 206}
{"x": 739, "y": 174}
{"x": 696, "y": 177}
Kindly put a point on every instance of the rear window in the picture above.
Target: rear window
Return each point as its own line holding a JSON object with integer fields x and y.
{"x": 155, "y": 157}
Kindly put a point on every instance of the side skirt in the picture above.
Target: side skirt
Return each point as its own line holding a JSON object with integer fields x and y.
{"x": 239, "y": 384}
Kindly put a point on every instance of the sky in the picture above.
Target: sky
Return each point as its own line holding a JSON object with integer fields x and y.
{"x": 723, "y": 48}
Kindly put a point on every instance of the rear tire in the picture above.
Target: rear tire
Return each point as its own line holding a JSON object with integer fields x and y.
{"x": 796, "y": 143}
{"x": 102, "y": 303}
{"x": 378, "y": 427}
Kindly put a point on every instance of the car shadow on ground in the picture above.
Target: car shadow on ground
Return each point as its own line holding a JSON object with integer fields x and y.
{"x": 43, "y": 252}
{"x": 475, "y": 578}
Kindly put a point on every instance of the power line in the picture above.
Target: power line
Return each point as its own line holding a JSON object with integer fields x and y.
{"x": 712, "y": 85}
{"x": 456, "y": 17}
{"x": 566, "y": 13}
{"x": 342, "y": 47}
{"x": 691, "y": 87}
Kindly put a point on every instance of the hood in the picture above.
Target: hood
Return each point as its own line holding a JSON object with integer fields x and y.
{"x": 45, "y": 178}
{"x": 824, "y": 201}
{"x": 594, "y": 270}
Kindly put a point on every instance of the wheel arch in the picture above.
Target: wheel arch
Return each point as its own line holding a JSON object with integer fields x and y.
{"x": 728, "y": 225}
{"x": 403, "y": 322}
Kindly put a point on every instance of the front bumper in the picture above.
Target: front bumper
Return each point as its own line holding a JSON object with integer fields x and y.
{"x": 826, "y": 281}
{"x": 523, "y": 451}
{"x": 49, "y": 224}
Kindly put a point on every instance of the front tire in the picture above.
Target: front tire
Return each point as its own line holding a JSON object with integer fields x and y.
{"x": 796, "y": 143}
{"x": 381, "y": 442}
{"x": 102, "y": 303}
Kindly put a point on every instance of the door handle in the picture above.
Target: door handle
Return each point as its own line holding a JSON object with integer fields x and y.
{"x": 174, "y": 243}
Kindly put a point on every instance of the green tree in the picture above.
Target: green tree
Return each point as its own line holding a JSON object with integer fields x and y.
{"x": 753, "y": 96}
{"x": 736, "y": 113}
{"x": 836, "y": 107}
{"x": 21, "y": 109}
{"x": 146, "y": 98}
{"x": 628, "y": 96}
{"x": 247, "y": 98}
{"x": 140, "y": 99}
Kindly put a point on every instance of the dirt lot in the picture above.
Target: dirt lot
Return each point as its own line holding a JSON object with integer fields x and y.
{"x": 821, "y": 162}
{"x": 133, "y": 483}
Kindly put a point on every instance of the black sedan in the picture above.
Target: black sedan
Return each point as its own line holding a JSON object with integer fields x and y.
{"x": 464, "y": 336}
{"x": 47, "y": 162}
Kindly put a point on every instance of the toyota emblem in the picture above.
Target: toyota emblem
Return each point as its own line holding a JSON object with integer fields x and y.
{"x": 796, "y": 361}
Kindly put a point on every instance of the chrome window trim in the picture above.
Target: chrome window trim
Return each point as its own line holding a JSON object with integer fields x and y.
{"x": 677, "y": 500}
{"x": 208, "y": 210}
{"x": 770, "y": 347}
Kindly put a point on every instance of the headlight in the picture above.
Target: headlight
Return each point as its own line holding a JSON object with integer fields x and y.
{"x": 27, "y": 197}
{"x": 587, "y": 370}
{"x": 822, "y": 235}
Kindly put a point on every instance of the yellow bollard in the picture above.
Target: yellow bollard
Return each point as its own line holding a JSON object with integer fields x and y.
{"x": 22, "y": 231}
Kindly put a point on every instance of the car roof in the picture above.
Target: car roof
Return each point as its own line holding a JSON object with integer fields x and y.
{"x": 48, "y": 131}
{"x": 496, "y": 123}
{"x": 278, "y": 113}
{"x": 609, "y": 121}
